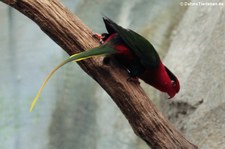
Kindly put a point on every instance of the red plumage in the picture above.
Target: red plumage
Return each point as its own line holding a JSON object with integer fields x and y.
{"x": 142, "y": 63}
{"x": 139, "y": 57}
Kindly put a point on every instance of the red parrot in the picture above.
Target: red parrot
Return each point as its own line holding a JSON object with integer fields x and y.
{"x": 134, "y": 53}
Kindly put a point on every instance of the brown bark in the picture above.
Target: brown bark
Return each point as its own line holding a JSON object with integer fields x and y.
{"x": 73, "y": 36}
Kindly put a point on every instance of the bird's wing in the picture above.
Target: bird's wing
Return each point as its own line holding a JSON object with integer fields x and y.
{"x": 141, "y": 47}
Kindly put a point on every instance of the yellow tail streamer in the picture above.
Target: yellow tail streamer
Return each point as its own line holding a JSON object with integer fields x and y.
{"x": 103, "y": 49}
{"x": 72, "y": 58}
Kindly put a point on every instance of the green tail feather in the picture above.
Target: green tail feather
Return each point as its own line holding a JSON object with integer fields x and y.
{"x": 103, "y": 49}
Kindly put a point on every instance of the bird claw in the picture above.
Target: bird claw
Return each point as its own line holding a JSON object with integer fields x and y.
{"x": 98, "y": 37}
{"x": 133, "y": 79}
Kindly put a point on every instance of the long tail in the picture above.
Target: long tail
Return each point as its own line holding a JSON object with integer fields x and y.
{"x": 103, "y": 49}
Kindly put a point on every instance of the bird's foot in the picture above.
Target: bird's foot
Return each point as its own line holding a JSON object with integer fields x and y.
{"x": 98, "y": 37}
{"x": 133, "y": 79}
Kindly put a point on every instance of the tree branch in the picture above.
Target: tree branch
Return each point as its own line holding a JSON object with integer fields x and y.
{"x": 73, "y": 36}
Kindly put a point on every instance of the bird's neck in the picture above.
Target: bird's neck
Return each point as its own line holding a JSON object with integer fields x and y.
{"x": 157, "y": 78}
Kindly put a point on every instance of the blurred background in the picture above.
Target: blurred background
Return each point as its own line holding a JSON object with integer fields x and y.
{"x": 74, "y": 112}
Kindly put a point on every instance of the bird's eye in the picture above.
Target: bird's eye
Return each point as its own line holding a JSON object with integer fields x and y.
{"x": 173, "y": 83}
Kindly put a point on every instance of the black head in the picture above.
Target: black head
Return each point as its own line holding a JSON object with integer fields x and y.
{"x": 175, "y": 85}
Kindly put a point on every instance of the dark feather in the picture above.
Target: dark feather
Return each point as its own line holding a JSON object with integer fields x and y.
{"x": 141, "y": 47}
{"x": 171, "y": 75}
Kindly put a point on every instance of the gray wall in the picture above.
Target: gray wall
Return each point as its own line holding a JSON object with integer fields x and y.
{"x": 74, "y": 112}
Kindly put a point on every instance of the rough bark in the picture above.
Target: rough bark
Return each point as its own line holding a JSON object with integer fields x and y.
{"x": 73, "y": 36}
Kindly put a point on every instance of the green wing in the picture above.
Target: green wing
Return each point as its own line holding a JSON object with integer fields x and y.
{"x": 141, "y": 47}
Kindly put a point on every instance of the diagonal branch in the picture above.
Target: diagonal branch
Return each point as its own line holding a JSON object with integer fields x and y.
{"x": 73, "y": 36}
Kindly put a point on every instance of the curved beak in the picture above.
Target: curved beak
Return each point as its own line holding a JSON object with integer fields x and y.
{"x": 171, "y": 95}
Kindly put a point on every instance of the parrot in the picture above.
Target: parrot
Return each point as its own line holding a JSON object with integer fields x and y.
{"x": 133, "y": 52}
